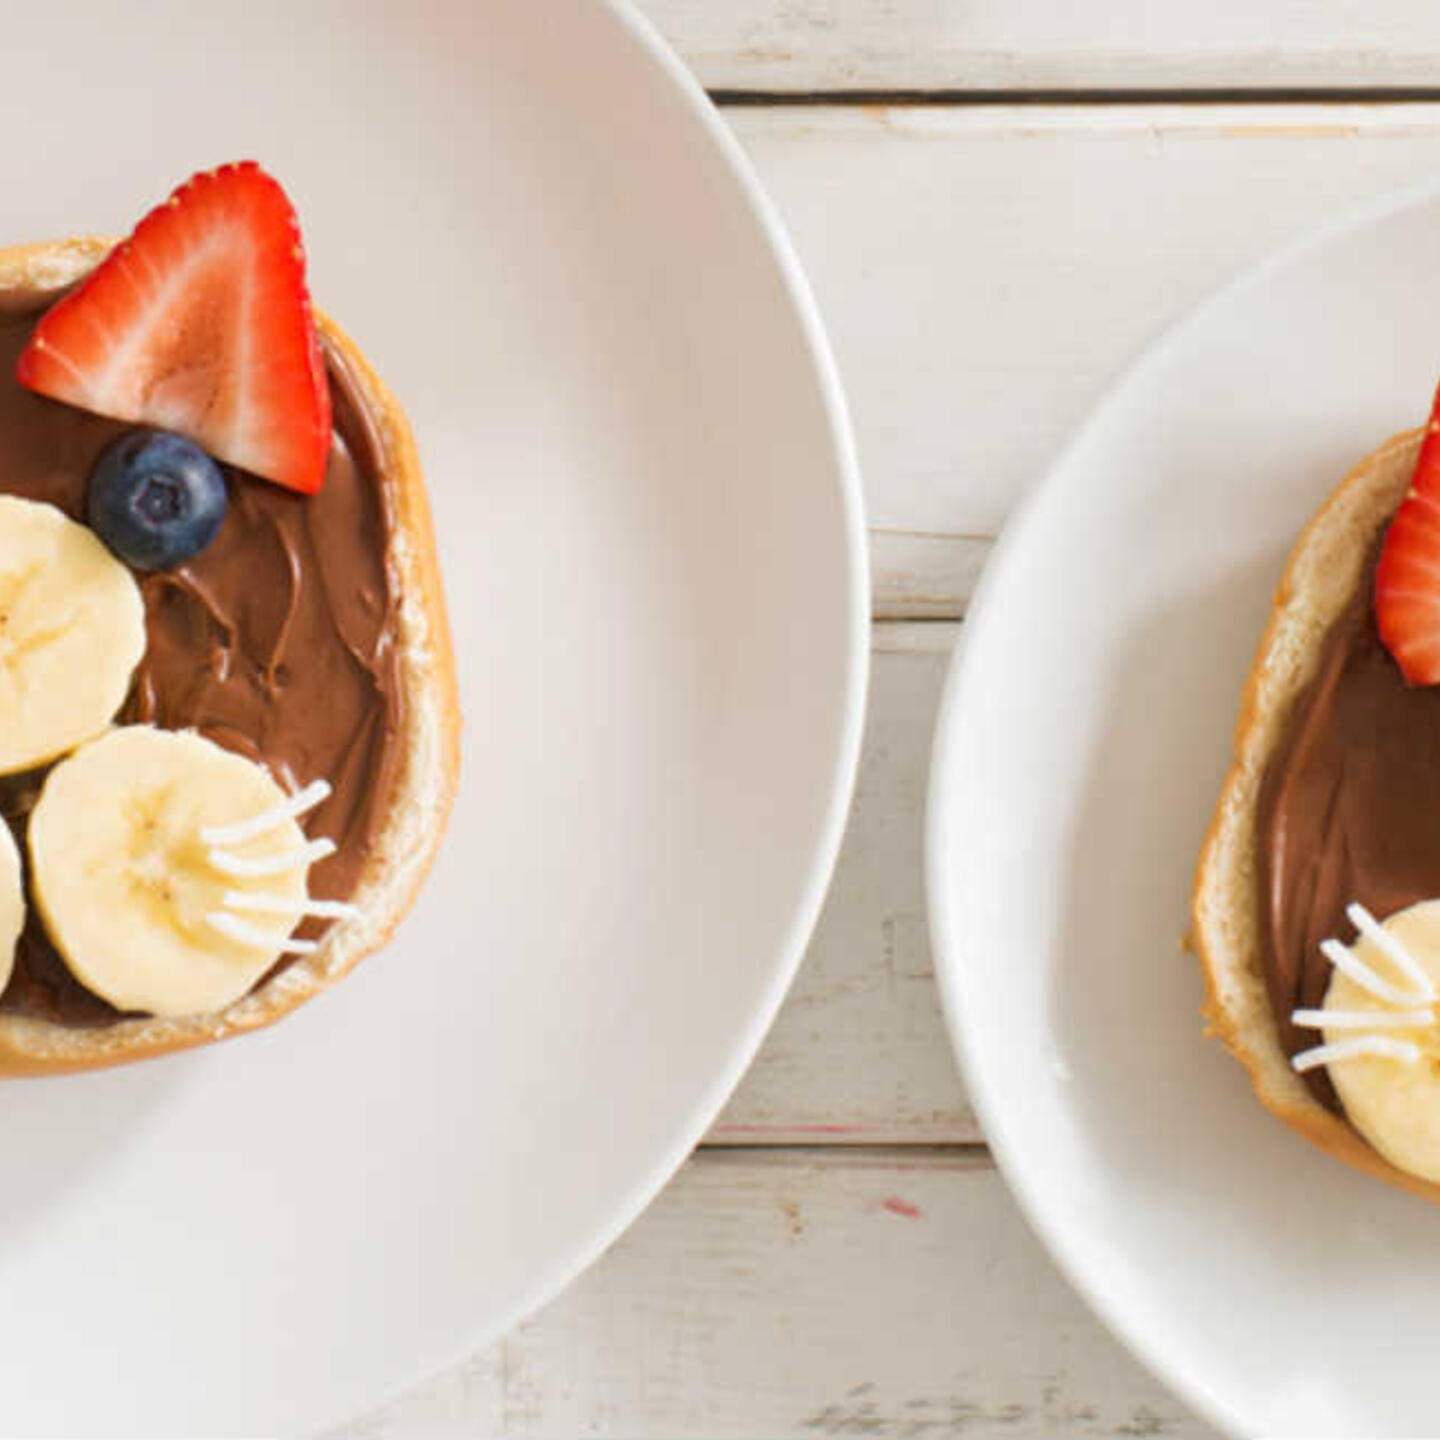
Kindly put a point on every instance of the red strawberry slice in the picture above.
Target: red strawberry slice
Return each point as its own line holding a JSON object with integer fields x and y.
{"x": 200, "y": 323}
{"x": 1407, "y": 579}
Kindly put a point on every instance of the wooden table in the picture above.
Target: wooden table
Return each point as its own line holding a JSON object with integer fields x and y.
{"x": 999, "y": 205}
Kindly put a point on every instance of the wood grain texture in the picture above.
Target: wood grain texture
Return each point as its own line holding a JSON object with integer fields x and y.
{"x": 920, "y": 45}
{"x": 859, "y": 1051}
{"x": 915, "y": 576}
{"x": 986, "y": 274}
{"x": 833, "y": 1293}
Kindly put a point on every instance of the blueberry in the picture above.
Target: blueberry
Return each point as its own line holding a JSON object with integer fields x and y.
{"x": 156, "y": 498}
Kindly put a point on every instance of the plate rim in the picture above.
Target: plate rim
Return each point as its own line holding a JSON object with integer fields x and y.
{"x": 773, "y": 236}
{"x": 941, "y": 843}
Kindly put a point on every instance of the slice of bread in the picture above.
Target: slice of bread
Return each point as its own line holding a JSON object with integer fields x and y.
{"x": 1320, "y": 577}
{"x": 429, "y": 743}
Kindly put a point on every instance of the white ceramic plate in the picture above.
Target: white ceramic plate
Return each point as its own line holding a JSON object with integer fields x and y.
{"x": 651, "y": 536}
{"x": 1079, "y": 751}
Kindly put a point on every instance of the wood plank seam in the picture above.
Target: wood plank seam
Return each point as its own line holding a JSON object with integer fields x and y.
{"x": 886, "y": 1154}
{"x": 1199, "y": 95}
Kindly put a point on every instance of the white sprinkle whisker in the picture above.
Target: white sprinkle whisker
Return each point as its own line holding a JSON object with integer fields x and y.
{"x": 248, "y": 934}
{"x": 1384, "y": 941}
{"x": 1353, "y": 1049}
{"x": 244, "y": 867}
{"x": 258, "y": 903}
{"x": 1362, "y": 1019}
{"x": 1349, "y": 964}
{"x": 290, "y": 808}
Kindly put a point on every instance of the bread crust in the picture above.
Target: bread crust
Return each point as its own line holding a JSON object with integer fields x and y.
{"x": 1320, "y": 577}
{"x": 429, "y": 761}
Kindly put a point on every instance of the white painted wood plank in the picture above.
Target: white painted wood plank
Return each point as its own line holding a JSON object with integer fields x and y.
{"x": 810, "y": 45}
{"x": 924, "y": 577}
{"x": 986, "y": 273}
{"x": 859, "y": 1050}
{"x": 810, "y": 1294}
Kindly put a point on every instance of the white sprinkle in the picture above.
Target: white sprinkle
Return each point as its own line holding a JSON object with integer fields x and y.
{"x": 280, "y": 864}
{"x": 1353, "y": 1048}
{"x": 1379, "y": 936}
{"x": 260, "y": 904}
{"x": 1362, "y": 1019}
{"x": 296, "y": 805}
{"x": 248, "y": 934}
{"x": 1346, "y": 962}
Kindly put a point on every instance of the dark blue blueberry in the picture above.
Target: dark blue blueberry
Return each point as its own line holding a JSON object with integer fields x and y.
{"x": 156, "y": 498}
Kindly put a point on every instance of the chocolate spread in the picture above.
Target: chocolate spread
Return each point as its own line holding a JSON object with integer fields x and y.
{"x": 1349, "y": 809}
{"x": 277, "y": 641}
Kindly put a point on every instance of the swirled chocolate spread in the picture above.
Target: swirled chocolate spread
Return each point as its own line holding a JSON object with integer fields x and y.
{"x": 1349, "y": 809}
{"x": 277, "y": 641}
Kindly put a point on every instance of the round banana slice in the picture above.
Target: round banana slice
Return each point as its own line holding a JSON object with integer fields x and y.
{"x": 168, "y": 872}
{"x": 72, "y": 630}
{"x": 12, "y": 902}
{"x": 1392, "y": 1099}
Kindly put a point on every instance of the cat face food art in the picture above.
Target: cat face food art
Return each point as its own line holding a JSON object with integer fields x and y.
{"x": 1316, "y": 908}
{"x": 228, "y": 720}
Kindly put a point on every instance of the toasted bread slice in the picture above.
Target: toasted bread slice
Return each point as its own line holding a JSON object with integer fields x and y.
{"x": 1320, "y": 577}
{"x": 429, "y": 743}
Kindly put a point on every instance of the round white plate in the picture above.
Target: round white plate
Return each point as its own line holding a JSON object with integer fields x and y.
{"x": 1079, "y": 751}
{"x": 651, "y": 537}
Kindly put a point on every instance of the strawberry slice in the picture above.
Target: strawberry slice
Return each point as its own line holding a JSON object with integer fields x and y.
{"x": 200, "y": 323}
{"x": 1407, "y": 579}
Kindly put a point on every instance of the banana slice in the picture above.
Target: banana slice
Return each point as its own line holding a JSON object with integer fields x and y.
{"x": 72, "y": 630}
{"x": 168, "y": 872}
{"x": 1392, "y": 1099}
{"x": 12, "y": 902}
